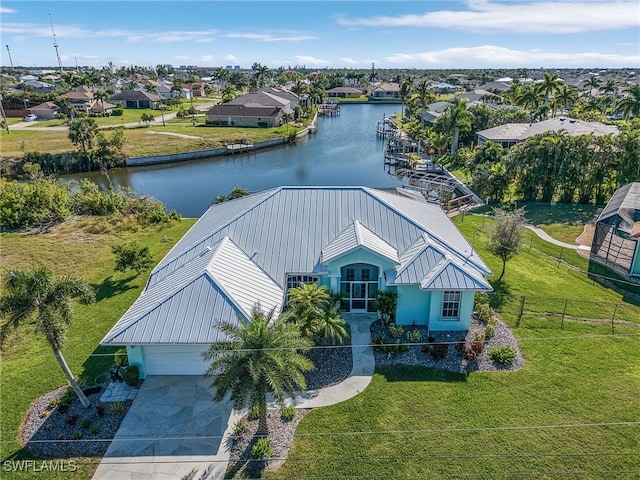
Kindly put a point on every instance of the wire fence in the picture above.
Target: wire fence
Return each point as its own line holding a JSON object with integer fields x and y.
{"x": 528, "y": 310}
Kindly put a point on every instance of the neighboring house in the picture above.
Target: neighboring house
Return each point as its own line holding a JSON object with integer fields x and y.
{"x": 385, "y": 91}
{"x": 250, "y": 115}
{"x": 136, "y": 99}
{"x": 289, "y": 96}
{"x": 102, "y": 108}
{"x": 197, "y": 89}
{"x": 435, "y": 110}
{"x": 344, "y": 92}
{"x": 81, "y": 100}
{"x": 444, "y": 87}
{"x": 616, "y": 241}
{"x": 511, "y": 133}
{"x": 354, "y": 240}
{"x": 263, "y": 99}
{"x": 478, "y": 95}
{"x": 45, "y": 111}
{"x": 495, "y": 86}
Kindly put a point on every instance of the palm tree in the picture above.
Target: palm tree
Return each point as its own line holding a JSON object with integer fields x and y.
{"x": 228, "y": 93}
{"x": 405, "y": 90}
{"x": 630, "y": 105}
{"x": 455, "y": 118}
{"x": 39, "y": 297}
{"x": 262, "y": 73}
{"x": 566, "y": 97}
{"x": 310, "y": 309}
{"x": 101, "y": 95}
{"x": 424, "y": 95}
{"x": 592, "y": 83}
{"x": 261, "y": 355}
{"x": 550, "y": 84}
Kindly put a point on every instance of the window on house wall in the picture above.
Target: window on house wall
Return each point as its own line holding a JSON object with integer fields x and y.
{"x": 294, "y": 281}
{"x": 451, "y": 305}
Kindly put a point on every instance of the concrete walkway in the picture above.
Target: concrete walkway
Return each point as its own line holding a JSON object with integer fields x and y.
{"x": 174, "y": 430}
{"x": 548, "y": 238}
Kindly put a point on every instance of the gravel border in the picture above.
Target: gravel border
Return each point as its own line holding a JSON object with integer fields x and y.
{"x": 48, "y": 432}
{"x": 454, "y": 361}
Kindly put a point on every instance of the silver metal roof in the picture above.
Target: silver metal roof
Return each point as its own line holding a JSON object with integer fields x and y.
{"x": 356, "y": 236}
{"x": 522, "y": 131}
{"x": 241, "y": 251}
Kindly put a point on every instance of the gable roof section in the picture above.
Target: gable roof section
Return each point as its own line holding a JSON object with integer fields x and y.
{"x": 182, "y": 308}
{"x": 623, "y": 209}
{"x": 249, "y": 110}
{"x": 357, "y": 236}
{"x": 135, "y": 96}
{"x": 449, "y": 274}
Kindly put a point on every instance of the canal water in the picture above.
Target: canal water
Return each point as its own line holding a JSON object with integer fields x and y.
{"x": 344, "y": 151}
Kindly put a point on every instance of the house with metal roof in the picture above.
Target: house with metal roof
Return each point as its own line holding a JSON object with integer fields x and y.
{"x": 252, "y": 250}
{"x": 616, "y": 240}
{"x": 511, "y": 133}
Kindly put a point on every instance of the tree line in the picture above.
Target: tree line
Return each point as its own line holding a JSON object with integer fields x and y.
{"x": 554, "y": 167}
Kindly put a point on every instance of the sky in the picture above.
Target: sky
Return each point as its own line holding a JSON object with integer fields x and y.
{"x": 450, "y": 34}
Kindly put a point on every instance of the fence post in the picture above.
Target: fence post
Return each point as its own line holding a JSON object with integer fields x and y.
{"x": 563, "y": 313}
{"x": 615, "y": 309}
{"x": 560, "y": 259}
{"x": 521, "y": 310}
{"x": 530, "y": 242}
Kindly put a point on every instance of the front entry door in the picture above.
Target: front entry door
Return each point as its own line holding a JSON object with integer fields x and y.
{"x": 358, "y": 297}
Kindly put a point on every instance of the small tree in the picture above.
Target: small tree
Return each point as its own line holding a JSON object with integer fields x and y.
{"x": 505, "y": 235}
{"x": 147, "y": 118}
{"x": 82, "y": 133}
{"x": 132, "y": 256}
{"x": 386, "y": 303}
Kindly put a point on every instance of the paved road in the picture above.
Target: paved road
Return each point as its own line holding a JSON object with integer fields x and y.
{"x": 203, "y": 107}
{"x": 547, "y": 238}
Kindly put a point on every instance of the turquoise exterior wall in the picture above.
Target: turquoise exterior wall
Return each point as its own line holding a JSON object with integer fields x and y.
{"x": 134, "y": 353}
{"x": 413, "y": 305}
{"x": 635, "y": 266}
{"x": 359, "y": 256}
{"x": 466, "y": 309}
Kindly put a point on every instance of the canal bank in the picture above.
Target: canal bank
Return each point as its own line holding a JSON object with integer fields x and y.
{"x": 230, "y": 149}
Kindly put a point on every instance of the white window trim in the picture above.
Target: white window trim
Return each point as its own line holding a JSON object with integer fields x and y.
{"x": 457, "y": 302}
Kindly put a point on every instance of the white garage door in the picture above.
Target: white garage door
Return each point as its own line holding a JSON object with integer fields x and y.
{"x": 174, "y": 359}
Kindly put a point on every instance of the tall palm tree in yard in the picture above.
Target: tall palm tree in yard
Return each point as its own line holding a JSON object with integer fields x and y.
{"x": 550, "y": 84}
{"x": 455, "y": 119}
{"x": 36, "y": 296}
{"x": 405, "y": 90}
{"x": 592, "y": 84}
{"x": 101, "y": 95}
{"x": 565, "y": 97}
{"x": 260, "y": 356}
{"x": 424, "y": 95}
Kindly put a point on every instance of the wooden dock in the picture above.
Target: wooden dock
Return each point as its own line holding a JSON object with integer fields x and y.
{"x": 233, "y": 148}
{"x": 329, "y": 109}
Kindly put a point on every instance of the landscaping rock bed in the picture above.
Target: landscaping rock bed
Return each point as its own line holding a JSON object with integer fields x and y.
{"x": 333, "y": 363}
{"x": 455, "y": 359}
{"x": 281, "y": 434}
{"x": 49, "y": 431}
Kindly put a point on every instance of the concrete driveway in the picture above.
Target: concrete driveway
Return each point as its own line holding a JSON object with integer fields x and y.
{"x": 173, "y": 430}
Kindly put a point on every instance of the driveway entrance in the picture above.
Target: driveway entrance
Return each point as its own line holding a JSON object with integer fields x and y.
{"x": 173, "y": 430}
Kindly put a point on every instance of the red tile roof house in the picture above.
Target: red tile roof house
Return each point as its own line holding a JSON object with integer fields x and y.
{"x": 45, "y": 111}
{"x": 245, "y": 115}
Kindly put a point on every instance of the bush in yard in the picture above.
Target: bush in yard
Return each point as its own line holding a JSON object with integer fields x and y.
{"x": 254, "y": 413}
{"x": 414, "y": 336}
{"x": 474, "y": 350}
{"x": 131, "y": 375}
{"x": 396, "y": 330}
{"x": 240, "y": 427}
{"x": 288, "y": 412}
{"x": 484, "y": 313}
{"x": 503, "y": 354}
{"x": 262, "y": 449}
{"x": 132, "y": 256}
{"x": 439, "y": 350}
{"x": 120, "y": 358}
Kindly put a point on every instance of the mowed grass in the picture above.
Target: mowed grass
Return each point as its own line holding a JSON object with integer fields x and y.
{"x": 28, "y": 369}
{"x": 570, "y": 412}
{"x": 139, "y": 141}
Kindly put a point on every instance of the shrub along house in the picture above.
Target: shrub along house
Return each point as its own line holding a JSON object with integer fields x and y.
{"x": 354, "y": 240}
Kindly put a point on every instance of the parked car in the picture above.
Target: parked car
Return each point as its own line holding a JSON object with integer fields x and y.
{"x": 30, "y": 118}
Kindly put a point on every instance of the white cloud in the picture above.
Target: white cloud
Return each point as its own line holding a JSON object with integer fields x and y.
{"x": 520, "y": 17}
{"x": 206, "y": 58}
{"x": 230, "y": 58}
{"x": 7, "y": 10}
{"x": 311, "y": 61}
{"x": 264, "y": 37}
{"x": 350, "y": 61}
{"x": 183, "y": 57}
{"x": 492, "y": 56}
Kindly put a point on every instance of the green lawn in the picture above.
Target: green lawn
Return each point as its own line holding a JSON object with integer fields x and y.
{"x": 28, "y": 369}
{"x": 571, "y": 410}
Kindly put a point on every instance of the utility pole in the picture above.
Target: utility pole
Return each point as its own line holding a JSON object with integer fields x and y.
{"x": 55, "y": 44}
{"x": 10, "y": 60}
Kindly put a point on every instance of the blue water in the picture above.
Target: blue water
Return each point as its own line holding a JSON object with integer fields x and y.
{"x": 344, "y": 151}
